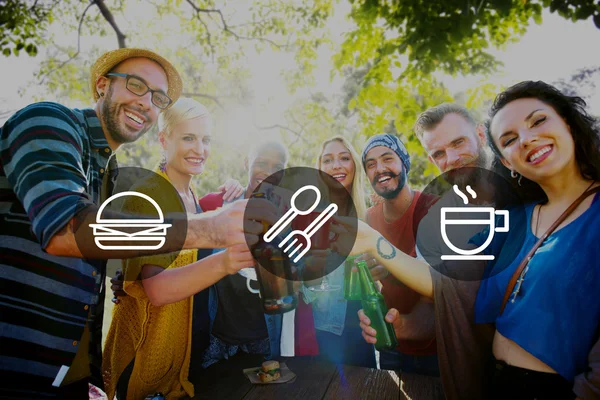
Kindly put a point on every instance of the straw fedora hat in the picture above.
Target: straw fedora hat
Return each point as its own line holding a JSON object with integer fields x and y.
{"x": 109, "y": 60}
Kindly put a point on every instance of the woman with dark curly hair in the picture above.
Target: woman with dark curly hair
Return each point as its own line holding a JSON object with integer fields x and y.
{"x": 543, "y": 305}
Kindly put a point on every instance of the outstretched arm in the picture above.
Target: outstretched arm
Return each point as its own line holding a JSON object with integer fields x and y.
{"x": 166, "y": 286}
{"x": 42, "y": 157}
{"x": 234, "y": 224}
{"x": 412, "y": 272}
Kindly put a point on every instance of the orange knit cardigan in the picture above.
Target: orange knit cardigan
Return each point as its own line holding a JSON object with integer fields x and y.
{"x": 159, "y": 338}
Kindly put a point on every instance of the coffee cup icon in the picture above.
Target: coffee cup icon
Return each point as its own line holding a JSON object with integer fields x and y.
{"x": 489, "y": 219}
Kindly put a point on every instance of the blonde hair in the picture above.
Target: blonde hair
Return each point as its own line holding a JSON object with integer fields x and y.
{"x": 357, "y": 193}
{"x": 182, "y": 110}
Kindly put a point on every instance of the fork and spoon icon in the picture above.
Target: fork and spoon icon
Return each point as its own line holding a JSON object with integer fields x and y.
{"x": 306, "y": 234}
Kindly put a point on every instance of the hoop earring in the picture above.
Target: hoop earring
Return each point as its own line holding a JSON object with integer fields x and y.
{"x": 514, "y": 175}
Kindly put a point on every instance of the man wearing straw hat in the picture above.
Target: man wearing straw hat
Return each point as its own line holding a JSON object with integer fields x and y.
{"x": 53, "y": 161}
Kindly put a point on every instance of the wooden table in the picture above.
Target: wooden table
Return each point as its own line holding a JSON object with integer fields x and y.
{"x": 317, "y": 380}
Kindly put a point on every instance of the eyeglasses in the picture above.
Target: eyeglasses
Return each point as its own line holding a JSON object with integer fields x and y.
{"x": 138, "y": 87}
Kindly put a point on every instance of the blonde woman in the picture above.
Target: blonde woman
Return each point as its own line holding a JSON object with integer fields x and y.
{"x": 338, "y": 333}
{"x": 150, "y": 339}
{"x": 339, "y": 159}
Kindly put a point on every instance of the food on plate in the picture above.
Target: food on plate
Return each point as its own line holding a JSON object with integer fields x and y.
{"x": 270, "y": 371}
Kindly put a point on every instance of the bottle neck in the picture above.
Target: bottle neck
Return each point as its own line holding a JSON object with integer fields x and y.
{"x": 367, "y": 284}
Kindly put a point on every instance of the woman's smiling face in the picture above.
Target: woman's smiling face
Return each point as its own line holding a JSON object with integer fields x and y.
{"x": 533, "y": 139}
{"x": 336, "y": 161}
{"x": 187, "y": 147}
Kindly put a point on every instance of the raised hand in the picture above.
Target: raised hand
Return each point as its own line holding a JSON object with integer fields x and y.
{"x": 232, "y": 189}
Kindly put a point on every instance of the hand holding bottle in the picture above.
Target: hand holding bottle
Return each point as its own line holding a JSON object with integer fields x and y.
{"x": 378, "y": 271}
{"x": 235, "y": 258}
{"x": 370, "y": 334}
{"x": 375, "y": 309}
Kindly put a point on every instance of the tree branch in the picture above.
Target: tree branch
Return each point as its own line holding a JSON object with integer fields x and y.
{"x": 226, "y": 28}
{"x": 111, "y": 20}
{"x": 261, "y": 22}
{"x": 78, "y": 45}
{"x": 291, "y": 116}
{"x": 479, "y": 7}
{"x": 260, "y": 39}
{"x": 209, "y": 11}
{"x": 208, "y": 38}
{"x": 204, "y": 96}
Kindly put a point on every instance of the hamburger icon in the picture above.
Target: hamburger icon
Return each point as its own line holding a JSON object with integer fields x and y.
{"x": 150, "y": 231}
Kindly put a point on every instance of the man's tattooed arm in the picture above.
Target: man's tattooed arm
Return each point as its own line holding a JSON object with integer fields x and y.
{"x": 410, "y": 271}
{"x": 385, "y": 248}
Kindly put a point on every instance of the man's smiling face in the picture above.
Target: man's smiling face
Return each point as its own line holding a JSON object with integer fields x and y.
{"x": 127, "y": 116}
{"x": 455, "y": 143}
{"x": 385, "y": 171}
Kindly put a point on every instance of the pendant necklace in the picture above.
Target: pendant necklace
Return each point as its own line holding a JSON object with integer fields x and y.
{"x": 524, "y": 272}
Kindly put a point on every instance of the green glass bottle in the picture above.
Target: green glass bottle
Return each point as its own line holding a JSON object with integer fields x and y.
{"x": 374, "y": 307}
{"x": 351, "y": 280}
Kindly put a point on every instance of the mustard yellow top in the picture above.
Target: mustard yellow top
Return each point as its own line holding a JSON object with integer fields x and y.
{"x": 159, "y": 338}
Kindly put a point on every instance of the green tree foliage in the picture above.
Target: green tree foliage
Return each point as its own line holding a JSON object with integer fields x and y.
{"x": 401, "y": 46}
{"x": 450, "y": 36}
{"x": 22, "y": 24}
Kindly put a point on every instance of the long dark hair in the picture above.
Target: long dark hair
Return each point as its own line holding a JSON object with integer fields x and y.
{"x": 584, "y": 128}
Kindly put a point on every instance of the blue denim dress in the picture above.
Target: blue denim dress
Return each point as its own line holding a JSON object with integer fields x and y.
{"x": 336, "y": 321}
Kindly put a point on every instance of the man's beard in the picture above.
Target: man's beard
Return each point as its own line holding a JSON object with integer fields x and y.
{"x": 471, "y": 171}
{"x": 393, "y": 193}
{"x": 111, "y": 121}
{"x": 483, "y": 158}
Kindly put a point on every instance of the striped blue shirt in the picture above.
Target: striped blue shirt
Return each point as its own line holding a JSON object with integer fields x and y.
{"x": 52, "y": 163}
